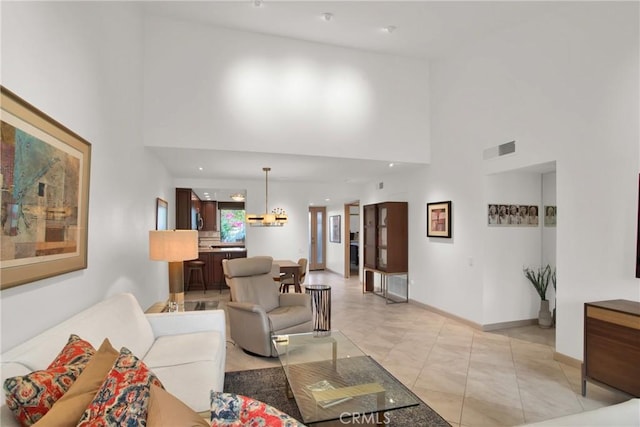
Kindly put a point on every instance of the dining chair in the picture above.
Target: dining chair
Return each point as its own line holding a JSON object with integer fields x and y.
{"x": 276, "y": 274}
{"x": 289, "y": 281}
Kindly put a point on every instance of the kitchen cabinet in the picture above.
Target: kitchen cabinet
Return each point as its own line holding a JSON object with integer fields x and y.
{"x": 213, "y": 275}
{"x": 187, "y": 209}
{"x": 218, "y": 274}
{"x": 209, "y": 212}
{"x": 612, "y": 345}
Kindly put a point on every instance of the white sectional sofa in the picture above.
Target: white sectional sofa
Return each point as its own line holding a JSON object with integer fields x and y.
{"x": 186, "y": 350}
{"x": 625, "y": 414}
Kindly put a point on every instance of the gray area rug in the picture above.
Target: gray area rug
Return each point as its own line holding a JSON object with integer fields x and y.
{"x": 268, "y": 386}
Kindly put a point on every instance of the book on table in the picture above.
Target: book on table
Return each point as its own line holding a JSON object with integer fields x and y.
{"x": 324, "y": 385}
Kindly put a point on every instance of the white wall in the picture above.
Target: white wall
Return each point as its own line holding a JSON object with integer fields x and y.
{"x": 508, "y": 295}
{"x": 73, "y": 63}
{"x": 549, "y": 241}
{"x": 249, "y": 92}
{"x": 566, "y": 89}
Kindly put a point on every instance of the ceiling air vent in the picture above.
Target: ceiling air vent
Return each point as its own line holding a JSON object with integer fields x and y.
{"x": 500, "y": 150}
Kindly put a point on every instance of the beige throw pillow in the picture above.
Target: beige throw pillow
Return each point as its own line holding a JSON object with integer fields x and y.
{"x": 166, "y": 410}
{"x": 70, "y": 407}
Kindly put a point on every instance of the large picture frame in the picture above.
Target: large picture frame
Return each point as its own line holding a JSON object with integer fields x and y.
{"x": 162, "y": 214}
{"x": 439, "y": 219}
{"x": 334, "y": 229}
{"x": 513, "y": 215}
{"x": 45, "y": 172}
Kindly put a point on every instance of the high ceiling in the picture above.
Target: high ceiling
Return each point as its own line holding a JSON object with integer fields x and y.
{"x": 422, "y": 29}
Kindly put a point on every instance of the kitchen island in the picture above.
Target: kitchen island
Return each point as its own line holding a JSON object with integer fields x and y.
{"x": 212, "y": 258}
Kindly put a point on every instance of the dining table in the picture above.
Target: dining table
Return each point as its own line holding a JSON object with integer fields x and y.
{"x": 292, "y": 268}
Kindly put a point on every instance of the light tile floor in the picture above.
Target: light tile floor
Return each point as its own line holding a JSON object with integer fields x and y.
{"x": 470, "y": 377}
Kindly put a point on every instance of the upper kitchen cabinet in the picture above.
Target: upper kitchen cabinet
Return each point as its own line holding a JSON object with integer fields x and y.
{"x": 209, "y": 214}
{"x": 187, "y": 210}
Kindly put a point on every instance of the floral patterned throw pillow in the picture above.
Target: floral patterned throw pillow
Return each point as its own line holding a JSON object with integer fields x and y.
{"x": 31, "y": 396}
{"x": 123, "y": 398}
{"x": 229, "y": 409}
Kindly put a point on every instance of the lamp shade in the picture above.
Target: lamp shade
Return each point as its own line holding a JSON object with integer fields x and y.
{"x": 173, "y": 245}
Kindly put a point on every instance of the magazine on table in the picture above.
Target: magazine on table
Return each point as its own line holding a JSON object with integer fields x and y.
{"x": 324, "y": 385}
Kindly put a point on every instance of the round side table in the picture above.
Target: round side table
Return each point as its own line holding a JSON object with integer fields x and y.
{"x": 321, "y": 306}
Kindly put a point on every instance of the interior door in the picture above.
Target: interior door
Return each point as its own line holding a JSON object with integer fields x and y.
{"x": 317, "y": 246}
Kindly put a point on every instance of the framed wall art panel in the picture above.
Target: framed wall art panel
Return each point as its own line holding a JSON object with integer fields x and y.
{"x": 439, "y": 219}
{"x": 45, "y": 194}
{"x": 162, "y": 214}
{"x": 334, "y": 229}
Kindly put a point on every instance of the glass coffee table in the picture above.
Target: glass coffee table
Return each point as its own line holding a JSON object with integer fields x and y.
{"x": 332, "y": 379}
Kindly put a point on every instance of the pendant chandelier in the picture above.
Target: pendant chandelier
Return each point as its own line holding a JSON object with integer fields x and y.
{"x": 277, "y": 217}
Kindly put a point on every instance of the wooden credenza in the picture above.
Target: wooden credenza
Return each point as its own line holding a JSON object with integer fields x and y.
{"x": 612, "y": 345}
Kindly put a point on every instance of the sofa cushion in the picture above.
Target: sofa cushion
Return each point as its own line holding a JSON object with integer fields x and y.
{"x": 171, "y": 350}
{"x": 70, "y": 407}
{"x": 228, "y": 409}
{"x": 31, "y": 396}
{"x": 191, "y": 382}
{"x": 287, "y": 316}
{"x": 123, "y": 398}
{"x": 188, "y": 365}
{"x": 166, "y": 410}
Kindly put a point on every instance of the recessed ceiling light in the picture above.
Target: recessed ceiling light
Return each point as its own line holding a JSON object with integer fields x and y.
{"x": 327, "y": 200}
{"x": 200, "y": 168}
{"x": 389, "y": 29}
{"x": 327, "y": 16}
{"x": 391, "y": 165}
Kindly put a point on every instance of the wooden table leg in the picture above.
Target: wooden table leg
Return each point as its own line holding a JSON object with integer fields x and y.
{"x": 296, "y": 281}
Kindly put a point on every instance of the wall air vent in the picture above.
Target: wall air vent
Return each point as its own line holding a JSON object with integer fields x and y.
{"x": 499, "y": 150}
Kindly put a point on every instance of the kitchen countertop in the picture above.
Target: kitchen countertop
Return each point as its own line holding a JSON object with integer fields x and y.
{"x": 205, "y": 250}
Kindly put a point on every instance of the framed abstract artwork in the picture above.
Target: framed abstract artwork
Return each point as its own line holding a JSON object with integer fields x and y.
{"x": 334, "y": 229}
{"x": 439, "y": 219}
{"x": 45, "y": 194}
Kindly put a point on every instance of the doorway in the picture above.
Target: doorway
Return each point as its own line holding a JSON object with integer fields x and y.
{"x": 317, "y": 238}
{"x": 352, "y": 239}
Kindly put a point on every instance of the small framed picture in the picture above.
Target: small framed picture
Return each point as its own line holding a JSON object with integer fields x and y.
{"x": 439, "y": 219}
{"x": 334, "y": 229}
{"x": 162, "y": 214}
{"x": 550, "y": 212}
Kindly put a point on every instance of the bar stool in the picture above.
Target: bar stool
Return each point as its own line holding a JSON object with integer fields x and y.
{"x": 196, "y": 267}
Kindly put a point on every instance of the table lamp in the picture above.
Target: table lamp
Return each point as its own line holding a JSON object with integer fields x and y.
{"x": 174, "y": 246}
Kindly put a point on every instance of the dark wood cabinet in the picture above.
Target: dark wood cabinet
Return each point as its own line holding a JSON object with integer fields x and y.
{"x": 386, "y": 239}
{"x": 218, "y": 274}
{"x": 369, "y": 237}
{"x": 612, "y": 345}
{"x": 213, "y": 275}
{"x": 209, "y": 212}
{"x": 187, "y": 209}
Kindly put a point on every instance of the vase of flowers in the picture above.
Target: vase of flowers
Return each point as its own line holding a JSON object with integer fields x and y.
{"x": 539, "y": 278}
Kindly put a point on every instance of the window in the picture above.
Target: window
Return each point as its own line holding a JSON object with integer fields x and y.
{"x": 232, "y": 223}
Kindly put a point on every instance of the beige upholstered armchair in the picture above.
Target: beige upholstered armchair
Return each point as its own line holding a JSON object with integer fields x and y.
{"x": 258, "y": 310}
